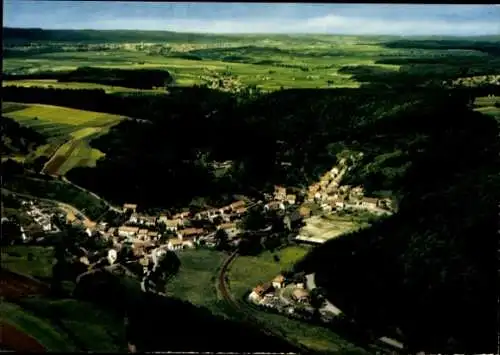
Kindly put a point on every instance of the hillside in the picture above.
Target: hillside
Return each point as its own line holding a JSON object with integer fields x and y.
{"x": 17, "y": 139}
{"x": 427, "y": 270}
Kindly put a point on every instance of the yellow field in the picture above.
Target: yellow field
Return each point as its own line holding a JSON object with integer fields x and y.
{"x": 62, "y": 115}
{"x": 68, "y": 132}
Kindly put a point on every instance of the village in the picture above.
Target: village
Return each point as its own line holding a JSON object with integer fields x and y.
{"x": 148, "y": 235}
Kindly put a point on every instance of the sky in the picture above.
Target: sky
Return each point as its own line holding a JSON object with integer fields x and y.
{"x": 354, "y": 19}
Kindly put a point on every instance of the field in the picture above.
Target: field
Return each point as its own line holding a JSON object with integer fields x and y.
{"x": 325, "y": 228}
{"x": 15, "y": 258}
{"x": 52, "y": 83}
{"x": 487, "y": 106}
{"x": 69, "y": 132}
{"x": 246, "y": 272}
{"x": 196, "y": 279}
{"x": 59, "y": 325}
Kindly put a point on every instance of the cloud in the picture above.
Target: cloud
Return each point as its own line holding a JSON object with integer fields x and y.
{"x": 323, "y": 24}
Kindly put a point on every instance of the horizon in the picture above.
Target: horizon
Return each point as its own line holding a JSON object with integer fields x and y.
{"x": 256, "y": 18}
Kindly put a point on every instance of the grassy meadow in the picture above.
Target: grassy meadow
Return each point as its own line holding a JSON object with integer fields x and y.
{"x": 15, "y": 258}
{"x": 246, "y": 272}
{"x": 68, "y": 131}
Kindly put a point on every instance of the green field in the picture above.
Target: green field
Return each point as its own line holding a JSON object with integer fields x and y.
{"x": 487, "y": 106}
{"x": 246, "y": 272}
{"x": 197, "y": 277}
{"x": 15, "y": 258}
{"x": 50, "y": 83}
{"x": 69, "y": 132}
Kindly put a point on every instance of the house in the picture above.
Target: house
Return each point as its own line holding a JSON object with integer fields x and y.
{"x": 237, "y": 204}
{"x": 326, "y": 207}
{"x": 162, "y": 218}
{"x": 259, "y": 291}
{"x": 239, "y": 211}
{"x": 369, "y": 202}
{"x": 174, "y": 244}
{"x": 278, "y": 281}
{"x": 230, "y": 228}
{"x": 153, "y": 235}
{"x": 305, "y": 211}
{"x": 334, "y": 172}
{"x": 142, "y": 233}
{"x": 181, "y": 215}
{"x": 128, "y": 232}
{"x": 357, "y": 191}
{"x": 130, "y": 206}
{"x": 147, "y": 220}
{"x": 274, "y": 205}
{"x": 280, "y": 193}
{"x": 385, "y": 203}
{"x": 300, "y": 295}
{"x": 291, "y": 199}
{"x": 190, "y": 233}
{"x": 173, "y": 224}
{"x": 134, "y": 218}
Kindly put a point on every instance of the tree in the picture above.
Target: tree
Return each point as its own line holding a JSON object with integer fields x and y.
{"x": 221, "y": 239}
{"x": 255, "y": 219}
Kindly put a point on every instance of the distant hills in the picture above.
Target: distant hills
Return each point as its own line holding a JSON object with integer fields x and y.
{"x": 16, "y": 35}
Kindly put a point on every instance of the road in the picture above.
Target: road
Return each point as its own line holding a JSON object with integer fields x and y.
{"x": 311, "y": 284}
{"x": 64, "y": 206}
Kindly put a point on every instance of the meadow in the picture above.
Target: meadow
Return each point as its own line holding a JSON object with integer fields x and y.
{"x": 246, "y": 272}
{"x": 15, "y": 258}
{"x": 67, "y": 130}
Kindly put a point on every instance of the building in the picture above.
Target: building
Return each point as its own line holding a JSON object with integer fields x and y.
{"x": 162, "y": 219}
{"x": 369, "y": 202}
{"x": 258, "y": 292}
{"x": 190, "y": 233}
{"x": 237, "y": 204}
{"x": 134, "y": 218}
{"x": 274, "y": 205}
{"x": 305, "y": 211}
{"x": 181, "y": 215}
{"x": 130, "y": 206}
{"x": 147, "y": 220}
{"x": 174, "y": 244}
{"x": 278, "y": 281}
{"x": 128, "y": 232}
{"x": 230, "y": 228}
{"x": 153, "y": 235}
{"x": 240, "y": 211}
{"x": 300, "y": 295}
{"x": 142, "y": 233}
{"x": 386, "y": 203}
{"x": 291, "y": 199}
{"x": 173, "y": 225}
{"x": 280, "y": 193}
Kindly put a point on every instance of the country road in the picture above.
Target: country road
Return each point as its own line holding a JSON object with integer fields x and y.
{"x": 64, "y": 206}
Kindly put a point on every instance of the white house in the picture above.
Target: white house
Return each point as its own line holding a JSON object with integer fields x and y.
{"x": 175, "y": 244}
{"x": 173, "y": 224}
{"x": 125, "y": 231}
{"x": 134, "y": 218}
{"x": 278, "y": 281}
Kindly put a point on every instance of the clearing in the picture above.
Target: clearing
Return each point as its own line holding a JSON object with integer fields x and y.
{"x": 321, "y": 229}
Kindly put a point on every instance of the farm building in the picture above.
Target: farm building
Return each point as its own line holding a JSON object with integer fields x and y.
{"x": 259, "y": 291}
{"x": 278, "y": 281}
